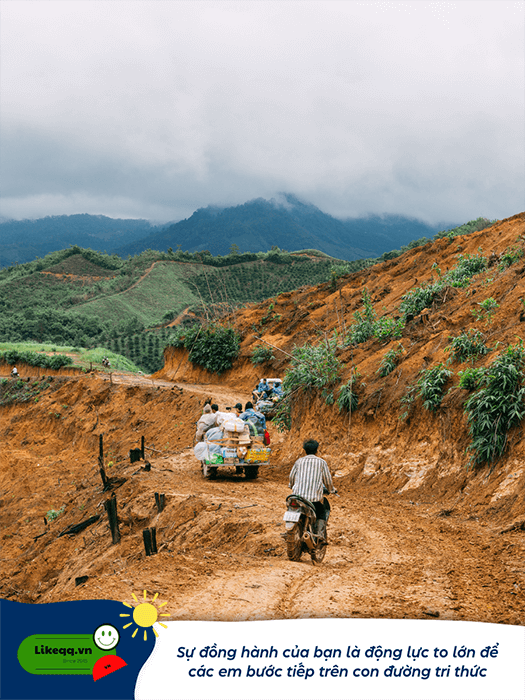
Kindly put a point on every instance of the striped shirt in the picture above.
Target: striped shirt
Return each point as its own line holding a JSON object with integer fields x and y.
{"x": 308, "y": 476}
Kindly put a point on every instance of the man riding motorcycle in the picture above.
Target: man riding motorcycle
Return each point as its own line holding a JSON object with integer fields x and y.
{"x": 310, "y": 478}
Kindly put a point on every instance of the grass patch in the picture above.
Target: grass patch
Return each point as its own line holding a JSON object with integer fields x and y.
{"x": 166, "y": 288}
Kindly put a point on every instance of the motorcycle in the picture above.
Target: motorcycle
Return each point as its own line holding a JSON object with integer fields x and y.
{"x": 304, "y": 532}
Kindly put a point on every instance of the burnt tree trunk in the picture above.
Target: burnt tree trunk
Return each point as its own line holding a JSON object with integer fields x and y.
{"x": 111, "y": 508}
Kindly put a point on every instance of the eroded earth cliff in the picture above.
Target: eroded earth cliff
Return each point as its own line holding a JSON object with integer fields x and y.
{"x": 414, "y": 532}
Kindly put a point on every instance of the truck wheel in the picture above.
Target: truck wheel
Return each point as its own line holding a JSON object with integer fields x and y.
{"x": 209, "y": 472}
{"x": 251, "y": 472}
{"x": 294, "y": 541}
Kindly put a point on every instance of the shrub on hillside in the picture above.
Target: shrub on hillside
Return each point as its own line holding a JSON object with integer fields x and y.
{"x": 429, "y": 387}
{"x": 347, "y": 399}
{"x": 467, "y": 267}
{"x": 419, "y": 298}
{"x": 313, "y": 367}
{"x": 510, "y": 256}
{"x": 467, "y": 344}
{"x": 498, "y": 406}
{"x": 367, "y": 325}
{"x": 35, "y": 359}
{"x": 214, "y": 348}
{"x": 262, "y": 354}
{"x": 390, "y": 361}
{"x": 471, "y": 378}
{"x": 431, "y": 384}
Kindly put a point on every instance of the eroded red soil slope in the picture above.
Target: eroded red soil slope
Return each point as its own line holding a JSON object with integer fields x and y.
{"x": 412, "y": 534}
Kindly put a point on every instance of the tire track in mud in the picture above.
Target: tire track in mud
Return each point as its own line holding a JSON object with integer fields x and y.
{"x": 221, "y": 554}
{"x": 389, "y": 560}
{"x": 287, "y": 608}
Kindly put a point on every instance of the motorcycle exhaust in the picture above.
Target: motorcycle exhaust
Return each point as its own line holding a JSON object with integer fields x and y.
{"x": 307, "y": 537}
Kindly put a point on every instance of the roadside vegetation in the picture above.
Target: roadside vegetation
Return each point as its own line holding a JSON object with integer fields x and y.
{"x": 390, "y": 360}
{"x": 213, "y": 347}
{"x": 57, "y": 356}
{"x": 469, "y": 344}
{"x": 23, "y": 391}
{"x": 497, "y": 406}
{"x": 313, "y": 368}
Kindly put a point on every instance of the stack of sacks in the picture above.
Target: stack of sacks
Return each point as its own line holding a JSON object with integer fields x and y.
{"x": 211, "y": 445}
{"x": 236, "y": 432}
{"x": 222, "y": 416}
{"x": 214, "y": 437}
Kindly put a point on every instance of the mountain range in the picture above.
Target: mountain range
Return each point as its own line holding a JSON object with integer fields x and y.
{"x": 257, "y": 225}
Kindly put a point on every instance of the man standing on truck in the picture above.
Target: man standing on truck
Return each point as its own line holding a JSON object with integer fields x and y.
{"x": 310, "y": 477}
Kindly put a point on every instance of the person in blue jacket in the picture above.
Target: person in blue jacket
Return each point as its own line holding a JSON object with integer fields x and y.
{"x": 262, "y": 389}
{"x": 251, "y": 414}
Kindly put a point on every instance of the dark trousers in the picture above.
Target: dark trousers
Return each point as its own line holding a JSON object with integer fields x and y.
{"x": 320, "y": 512}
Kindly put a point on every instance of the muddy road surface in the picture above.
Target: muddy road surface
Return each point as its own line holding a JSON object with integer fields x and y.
{"x": 221, "y": 554}
{"x": 387, "y": 560}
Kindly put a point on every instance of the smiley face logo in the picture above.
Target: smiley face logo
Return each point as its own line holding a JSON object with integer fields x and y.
{"x": 106, "y": 637}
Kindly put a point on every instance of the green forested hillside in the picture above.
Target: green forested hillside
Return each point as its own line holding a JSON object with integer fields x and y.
{"x": 164, "y": 291}
{"x": 22, "y": 241}
{"x": 83, "y": 298}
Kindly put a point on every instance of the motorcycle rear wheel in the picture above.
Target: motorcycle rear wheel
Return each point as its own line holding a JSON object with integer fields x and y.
{"x": 294, "y": 542}
{"x": 319, "y": 552}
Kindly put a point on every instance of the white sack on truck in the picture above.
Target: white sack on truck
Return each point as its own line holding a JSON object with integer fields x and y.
{"x": 233, "y": 425}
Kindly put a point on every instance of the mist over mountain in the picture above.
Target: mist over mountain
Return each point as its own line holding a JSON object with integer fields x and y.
{"x": 285, "y": 222}
{"x": 257, "y": 225}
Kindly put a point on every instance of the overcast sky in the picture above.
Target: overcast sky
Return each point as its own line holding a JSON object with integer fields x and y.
{"x": 154, "y": 109}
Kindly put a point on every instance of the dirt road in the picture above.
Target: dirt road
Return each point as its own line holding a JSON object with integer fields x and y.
{"x": 384, "y": 560}
{"x": 222, "y": 557}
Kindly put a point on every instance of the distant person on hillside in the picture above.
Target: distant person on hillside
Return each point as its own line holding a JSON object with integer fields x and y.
{"x": 14, "y": 372}
{"x": 205, "y": 422}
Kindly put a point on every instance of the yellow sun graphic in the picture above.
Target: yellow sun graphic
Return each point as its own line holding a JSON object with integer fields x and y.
{"x": 145, "y": 614}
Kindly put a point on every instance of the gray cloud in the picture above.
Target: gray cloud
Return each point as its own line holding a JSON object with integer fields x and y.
{"x": 152, "y": 109}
